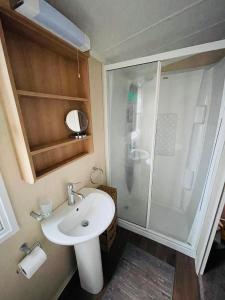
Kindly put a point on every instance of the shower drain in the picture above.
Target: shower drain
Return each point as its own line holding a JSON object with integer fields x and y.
{"x": 84, "y": 223}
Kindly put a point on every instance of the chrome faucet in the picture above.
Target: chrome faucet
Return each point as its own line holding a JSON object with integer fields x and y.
{"x": 72, "y": 194}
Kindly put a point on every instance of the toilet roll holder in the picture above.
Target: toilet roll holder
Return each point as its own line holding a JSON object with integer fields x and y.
{"x": 27, "y": 250}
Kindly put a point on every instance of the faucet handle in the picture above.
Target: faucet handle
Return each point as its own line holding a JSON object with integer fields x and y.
{"x": 71, "y": 185}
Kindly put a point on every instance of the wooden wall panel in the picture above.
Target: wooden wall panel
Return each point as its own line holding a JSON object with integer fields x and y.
{"x": 47, "y": 123}
{"x": 38, "y": 69}
{"x": 46, "y": 162}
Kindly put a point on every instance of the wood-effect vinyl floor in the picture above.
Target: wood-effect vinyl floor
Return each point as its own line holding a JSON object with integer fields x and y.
{"x": 185, "y": 282}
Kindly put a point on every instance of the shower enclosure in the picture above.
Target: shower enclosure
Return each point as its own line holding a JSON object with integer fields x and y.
{"x": 163, "y": 123}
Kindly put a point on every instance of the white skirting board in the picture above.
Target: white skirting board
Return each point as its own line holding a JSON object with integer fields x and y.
{"x": 157, "y": 237}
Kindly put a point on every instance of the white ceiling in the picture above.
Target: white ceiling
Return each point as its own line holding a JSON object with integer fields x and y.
{"x": 125, "y": 29}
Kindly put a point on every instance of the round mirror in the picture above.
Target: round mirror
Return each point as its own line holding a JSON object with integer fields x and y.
{"x": 77, "y": 121}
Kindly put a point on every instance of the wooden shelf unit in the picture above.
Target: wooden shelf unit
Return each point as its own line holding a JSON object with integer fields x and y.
{"x": 46, "y": 171}
{"x": 42, "y": 70}
{"x": 49, "y": 96}
{"x": 61, "y": 143}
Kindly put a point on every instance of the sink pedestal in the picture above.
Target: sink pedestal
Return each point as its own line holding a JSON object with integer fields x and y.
{"x": 89, "y": 264}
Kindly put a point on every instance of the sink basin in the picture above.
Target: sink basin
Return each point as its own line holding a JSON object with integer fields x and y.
{"x": 80, "y": 225}
{"x": 87, "y": 219}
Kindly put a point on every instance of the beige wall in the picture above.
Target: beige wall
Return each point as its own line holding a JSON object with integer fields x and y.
{"x": 24, "y": 198}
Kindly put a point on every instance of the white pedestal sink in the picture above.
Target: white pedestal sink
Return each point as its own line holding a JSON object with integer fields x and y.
{"x": 89, "y": 264}
{"x": 80, "y": 225}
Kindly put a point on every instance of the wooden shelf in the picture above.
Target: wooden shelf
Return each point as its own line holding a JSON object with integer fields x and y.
{"x": 49, "y": 96}
{"x": 48, "y": 73}
{"x": 61, "y": 143}
{"x": 59, "y": 165}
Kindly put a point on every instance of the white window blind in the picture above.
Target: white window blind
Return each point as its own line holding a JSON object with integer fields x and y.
{"x": 8, "y": 223}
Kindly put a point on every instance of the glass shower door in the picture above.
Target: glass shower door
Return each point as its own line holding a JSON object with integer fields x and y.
{"x": 187, "y": 124}
{"x": 131, "y": 113}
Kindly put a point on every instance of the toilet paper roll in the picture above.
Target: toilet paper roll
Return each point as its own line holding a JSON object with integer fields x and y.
{"x": 32, "y": 262}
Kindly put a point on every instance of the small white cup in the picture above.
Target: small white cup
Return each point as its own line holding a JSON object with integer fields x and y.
{"x": 46, "y": 208}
